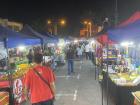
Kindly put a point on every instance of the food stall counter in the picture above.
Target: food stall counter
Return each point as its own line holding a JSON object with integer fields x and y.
{"x": 137, "y": 97}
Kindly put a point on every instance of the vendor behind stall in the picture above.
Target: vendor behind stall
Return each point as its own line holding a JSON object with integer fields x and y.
{"x": 30, "y": 56}
{"x": 3, "y": 58}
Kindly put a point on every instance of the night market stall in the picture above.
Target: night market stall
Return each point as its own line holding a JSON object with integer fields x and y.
{"x": 128, "y": 37}
{"x": 44, "y": 39}
{"x": 131, "y": 19}
{"x": 11, "y": 78}
{"x": 103, "y": 39}
{"x": 57, "y": 45}
{"x": 114, "y": 75}
{"x": 122, "y": 77}
{"x": 52, "y": 46}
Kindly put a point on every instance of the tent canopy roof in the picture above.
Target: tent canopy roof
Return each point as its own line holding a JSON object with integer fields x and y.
{"x": 14, "y": 39}
{"x": 31, "y": 32}
{"x": 132, "y": 19}
{"x": 130, "y": 32}
{"x": 127, "y": 30}
{"x": 5, "y": 32}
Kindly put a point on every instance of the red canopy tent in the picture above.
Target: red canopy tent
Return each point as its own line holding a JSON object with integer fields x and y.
{"x": 103, "y": 38}
{"x": 133, "y": 18}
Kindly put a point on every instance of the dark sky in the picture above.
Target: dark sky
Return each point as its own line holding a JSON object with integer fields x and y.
{"x": 26, "y": 10}
{"x": 29, "y": 10}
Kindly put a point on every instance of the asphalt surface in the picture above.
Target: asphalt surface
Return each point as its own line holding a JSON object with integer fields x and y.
{"x": 79, "y": 88}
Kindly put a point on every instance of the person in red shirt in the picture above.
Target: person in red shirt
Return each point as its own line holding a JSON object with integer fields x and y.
{"x": 38, "y": 91}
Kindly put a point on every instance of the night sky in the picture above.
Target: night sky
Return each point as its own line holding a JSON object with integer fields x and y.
{"x": 26, "y": 11}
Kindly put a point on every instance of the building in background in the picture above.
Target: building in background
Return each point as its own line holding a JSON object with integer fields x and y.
{"x": 16, "y": 26}
{"x": 85, "y": 32}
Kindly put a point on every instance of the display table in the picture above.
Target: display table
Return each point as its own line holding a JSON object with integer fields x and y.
{"x": 123, "y": 79}
{"x": 5, "y": 94}
{"x": 4, "y": 84}
{"x": 15, "y": 89}
{"x": 4, "y": 98}
{"x": 110, "y": 60}
{"x": 137, "y": 97}
{"x": 121, "y": 94}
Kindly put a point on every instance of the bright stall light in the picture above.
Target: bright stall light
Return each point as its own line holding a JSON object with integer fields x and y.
{"x": 59, "y": 44}
{"x": 51, "y": 44}
{"x": 92, "y": 42}
{"x": 124, "y": 44}
{"x": 67, "y": 42}
{"x": 21, "y": 48}
{"x": 131, "y": 43}
{"x": 127, "y": 43}
{"x": 75, "y": 41}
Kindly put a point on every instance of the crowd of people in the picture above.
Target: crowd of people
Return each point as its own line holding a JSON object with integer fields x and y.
{"x": 78, "y": 51}
{"x": 39, "y": 81}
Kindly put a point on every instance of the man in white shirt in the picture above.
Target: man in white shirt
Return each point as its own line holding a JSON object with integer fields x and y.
{"x": 80, "y": 53}
{"x": 87, "y": 51}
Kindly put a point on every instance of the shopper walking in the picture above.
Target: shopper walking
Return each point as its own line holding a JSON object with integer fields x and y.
{"x": 70, "y": 58}
{"x": 30, "y": 56}
{"x": 80, "y": 53}
{"x": 87, "y": 51}
{"x": 39, "y": 82}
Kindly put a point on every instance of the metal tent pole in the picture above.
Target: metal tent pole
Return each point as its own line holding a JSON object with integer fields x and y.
{"x": 116, "y": 12}
{"x": 102, "y": 81}
{"x": 107, "y": 76}
{"x": 43, "y": 50}
{"x": 95, "y": 61}
{"x": 11, "y": 95}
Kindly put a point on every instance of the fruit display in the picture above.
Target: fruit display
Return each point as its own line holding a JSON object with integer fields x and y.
{"x": 19, "y": 72}
{"x": 4, "y": 98}
{"x": 123, "y": 78}
{"x": 120, "y": 69}
{"x": 25, "y": 61}
{"x": 126, "y": 76}
{"x": 113, "y": 76}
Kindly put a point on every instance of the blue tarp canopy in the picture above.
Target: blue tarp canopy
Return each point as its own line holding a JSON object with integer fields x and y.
{"x": 50, "y": 35}
{"x": 50, "y": 38}
{"x": 30, "y": 31}
{"x": 5, "y": 32}
{"x": 45, "y": 37}
{"x": 14, "y": 42}
{"x": 13, "y": 39}
{"x": 130, "y": 32}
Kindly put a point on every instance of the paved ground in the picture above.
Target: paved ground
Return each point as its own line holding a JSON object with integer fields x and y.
{"x": 80, "y": 88}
